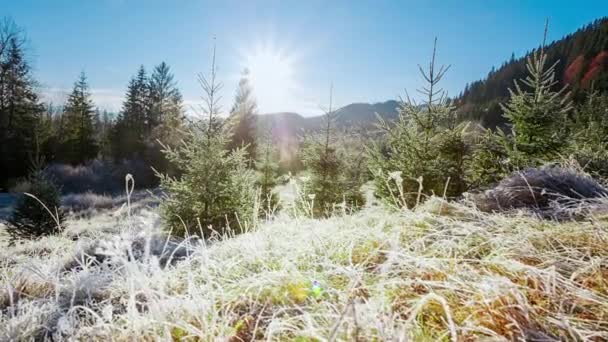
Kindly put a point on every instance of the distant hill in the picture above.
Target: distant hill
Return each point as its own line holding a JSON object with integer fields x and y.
{"x": 288, "y": 128}
{"x": 583, "y": 62}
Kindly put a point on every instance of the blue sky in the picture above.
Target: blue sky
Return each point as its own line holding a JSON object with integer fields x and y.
{"x": 368, "y": 49}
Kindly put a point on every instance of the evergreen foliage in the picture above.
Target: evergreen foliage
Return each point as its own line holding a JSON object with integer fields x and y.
{"x": 537, "y": 115}
{"x": 590, "y": 139}
{"x": 425, "y": 151}
{"x": 151, "y": 116}
{"x": 538, "y": 133}
{"x": 215, "y": 188}
{"x": 30, "y": 218}
{"x": 242, "y": 119}
{"x": 582, "y": 57}
{"x": 79, "y": 143}
{"x": 20, "y": 108}
{"x": 165, "y": 102}
{"x": 268, "y": 172}
{"x": 489, "y": 161}
{"x": 330, "y": 184}
{"x": 131, "y": 126}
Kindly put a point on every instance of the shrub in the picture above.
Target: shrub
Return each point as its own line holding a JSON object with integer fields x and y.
{"x": 100, "y": 176}
{"x": 30, "y": 219}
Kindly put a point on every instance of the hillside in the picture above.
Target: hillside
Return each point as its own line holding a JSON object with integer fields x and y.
{"x": 288, "y": 128}
{"x": 583, "y": 63}
{"x": 442, "y": 272}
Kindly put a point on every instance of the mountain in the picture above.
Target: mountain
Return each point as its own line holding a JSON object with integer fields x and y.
{"x": 582, "y": 63}
{"x": 288, "y": 128}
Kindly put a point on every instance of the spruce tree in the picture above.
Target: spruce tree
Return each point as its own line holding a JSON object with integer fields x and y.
{"x": 165, "y": 98}
{"x": 37, "y": 213}
{"x": 165, "y": 117}
{"x": 215, "y": 187}
{"x": 537, "y": 113}
{"x": 79, "y": 140}
{"x": 243, "y": 117}
{"x": 268, "y": 170}
{"x": 130, "y": 129}
{"x": 329, "y": 185}
{"x": 20, "y": 108}
{"x": 589, "y": 128}
{"x": 424, "y": 151}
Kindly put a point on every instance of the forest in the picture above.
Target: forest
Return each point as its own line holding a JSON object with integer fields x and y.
{"x": 476, "y": 217}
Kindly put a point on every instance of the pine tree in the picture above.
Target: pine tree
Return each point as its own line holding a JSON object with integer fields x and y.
{"x": 424, "y": 152}
{"x": 20, "y": 109}
{"x": 215, "y": 186}
{"x": 79, "y": 143}
{"x": 243, "y": 118}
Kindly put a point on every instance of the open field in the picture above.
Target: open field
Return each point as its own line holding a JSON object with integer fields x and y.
{"x": 441, "y": 272}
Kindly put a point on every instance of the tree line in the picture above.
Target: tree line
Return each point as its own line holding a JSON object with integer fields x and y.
{"x": 75, "y": 132}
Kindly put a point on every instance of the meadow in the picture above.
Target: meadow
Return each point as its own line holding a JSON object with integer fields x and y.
{"x": 442, "y": 271}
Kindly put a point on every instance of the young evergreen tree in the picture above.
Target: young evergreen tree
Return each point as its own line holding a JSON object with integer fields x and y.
{"x": 268, "y": 171}
{"x": 38, "y": 213}
{"x": 424, "y": 152}
{"x": 20, "y": 108}
{"x": 537, "y": 114}
{"x": 329, "y": 185}
{"x": 242, "y": 119}
{"x": 79, "y": 143}
{"x": 215, "y": 187}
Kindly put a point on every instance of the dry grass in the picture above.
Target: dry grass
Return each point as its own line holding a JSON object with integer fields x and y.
{"x": 442, "y": 272}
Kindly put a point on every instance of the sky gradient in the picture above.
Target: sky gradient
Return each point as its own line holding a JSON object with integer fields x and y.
{"x": 368, "y": 49}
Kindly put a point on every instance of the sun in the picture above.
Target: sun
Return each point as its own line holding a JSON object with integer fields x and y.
{"x": 271, "y": 75}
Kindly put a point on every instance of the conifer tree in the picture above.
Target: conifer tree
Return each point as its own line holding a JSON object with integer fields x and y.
{"x": 215, "y": 187}
{"x": 243, "y": 117}
{"x": 268, "y": 170}
{"x": 79, "y": 143}
{"x": 165, "y": 117}
{"x": 424, "y": 152}
{"x": 20, "y": 108}
{"x": 37, "y": 213}
{"x": 589, "y": 128}
{"x": 165, "y": 98}
{"x": 329, "y": 185}
{"x": 130, "y": 129}
{"x": 538, "y": 132}
{"x": 537, "y": 114}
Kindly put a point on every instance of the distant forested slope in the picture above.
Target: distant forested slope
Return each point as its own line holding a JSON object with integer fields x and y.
{"x": 583, "y": 63}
